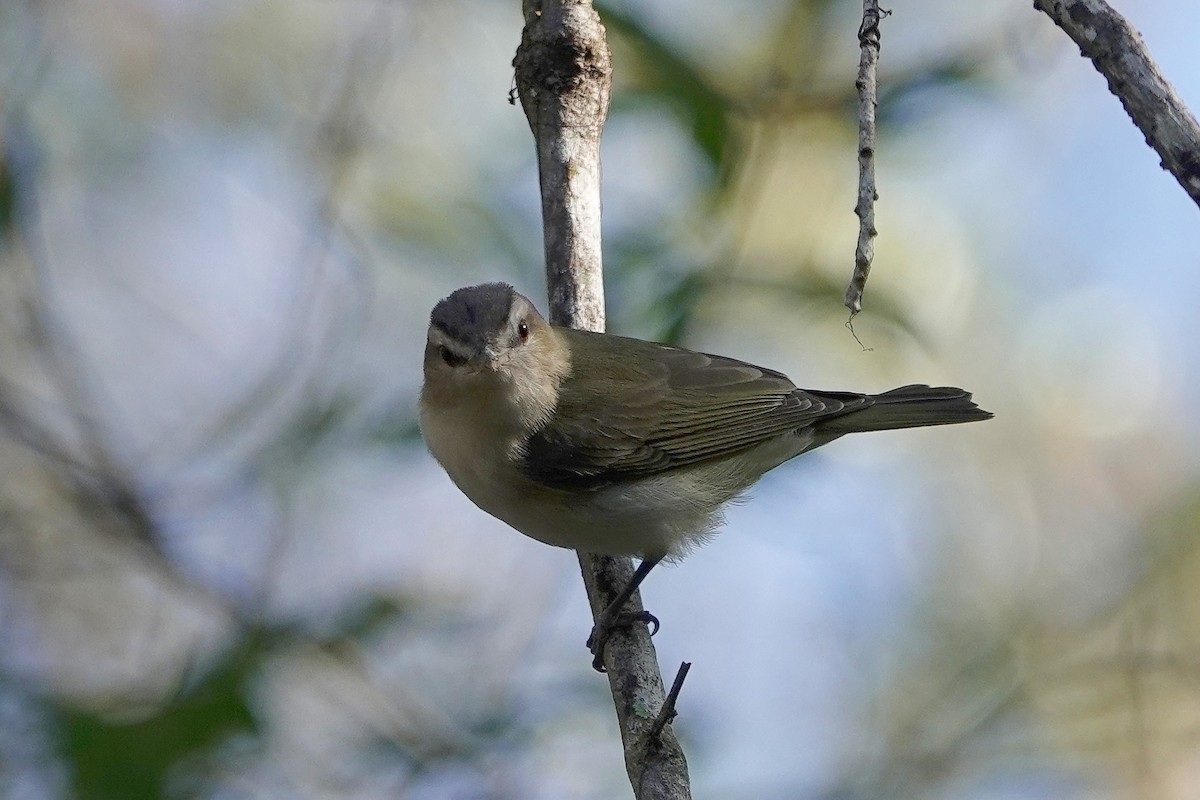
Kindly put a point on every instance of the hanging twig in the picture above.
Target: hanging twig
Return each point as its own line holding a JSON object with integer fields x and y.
{"x": 868, "y": 100}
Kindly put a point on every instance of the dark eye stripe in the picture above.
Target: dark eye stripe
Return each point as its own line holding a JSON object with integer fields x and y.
{"x": 451, "y": 358}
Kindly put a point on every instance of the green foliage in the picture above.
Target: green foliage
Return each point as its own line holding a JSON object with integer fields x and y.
{"x": 739, "y": 137}
{"x": 174, "y": 748}
{"x": 668, "y": 77}
{"x": 111, "y": 760}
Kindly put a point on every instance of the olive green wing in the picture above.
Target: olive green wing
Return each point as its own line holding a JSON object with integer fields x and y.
{"x": 642, "y": 408}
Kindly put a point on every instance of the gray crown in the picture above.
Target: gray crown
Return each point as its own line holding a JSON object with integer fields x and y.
{"x": 472, "y": 314}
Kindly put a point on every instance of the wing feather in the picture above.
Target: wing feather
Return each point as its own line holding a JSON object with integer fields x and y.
{"x": 659, "y": 408}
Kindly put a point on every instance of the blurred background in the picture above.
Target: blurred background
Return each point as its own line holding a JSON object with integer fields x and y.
{"x": 229, "y": 569}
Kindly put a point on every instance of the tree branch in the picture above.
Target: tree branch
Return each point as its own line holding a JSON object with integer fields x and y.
{"x": 563, "y": 77}
{"x": 867, "y": 85}
{"x": 1120, "y": 55}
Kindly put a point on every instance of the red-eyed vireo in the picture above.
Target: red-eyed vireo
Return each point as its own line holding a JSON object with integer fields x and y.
{"x": 619, "y": 446}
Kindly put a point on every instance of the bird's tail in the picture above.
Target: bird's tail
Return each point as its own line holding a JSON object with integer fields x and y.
{"x": 909, "y": 407}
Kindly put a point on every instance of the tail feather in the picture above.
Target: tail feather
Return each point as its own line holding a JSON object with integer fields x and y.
{"x": 913, "y": 406}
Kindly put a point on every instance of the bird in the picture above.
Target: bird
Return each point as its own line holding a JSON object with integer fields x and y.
{"x": 620, "y": 446}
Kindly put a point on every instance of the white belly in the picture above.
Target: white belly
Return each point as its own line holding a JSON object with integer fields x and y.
{"x": 659, "y": 516}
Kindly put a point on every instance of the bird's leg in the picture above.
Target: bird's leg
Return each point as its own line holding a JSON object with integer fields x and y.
{"x": 614, "y": 616}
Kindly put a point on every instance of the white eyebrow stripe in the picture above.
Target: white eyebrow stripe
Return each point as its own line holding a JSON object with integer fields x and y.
{"x": 439, "y": 337}
{"x": 519, "y": 309}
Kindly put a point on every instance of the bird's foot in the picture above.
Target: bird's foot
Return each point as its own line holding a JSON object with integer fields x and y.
{"x": 604, "y": 628}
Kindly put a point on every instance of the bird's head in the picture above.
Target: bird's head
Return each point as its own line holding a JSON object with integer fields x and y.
{"x": 487, "y": 344}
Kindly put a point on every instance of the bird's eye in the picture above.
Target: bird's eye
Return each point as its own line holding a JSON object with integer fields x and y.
{"x": 523, "y": 330}
{"x": 451, "y": 358}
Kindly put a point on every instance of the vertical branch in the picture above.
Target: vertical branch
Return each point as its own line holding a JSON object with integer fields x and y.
{"x": 868, "y": 100}
{"x": 563, "y": 77}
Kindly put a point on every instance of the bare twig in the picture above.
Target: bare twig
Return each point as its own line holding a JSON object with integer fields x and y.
{"x": 1120, "y": 55}
{"x": 55, "y": 346}
{"x": 868, "y": 100}
{"x": 563, "y": 77}
{"x": 668, "y": 713}
{"x": 331, "y": 142}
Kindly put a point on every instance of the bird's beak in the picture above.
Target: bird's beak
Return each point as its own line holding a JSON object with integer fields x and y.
{"x": 488, "y": 359}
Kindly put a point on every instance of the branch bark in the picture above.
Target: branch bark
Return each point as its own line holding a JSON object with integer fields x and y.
{"x": 1120, "y": 55}
{"x": 563, "y": 77}
{"x": 867, "y": 85}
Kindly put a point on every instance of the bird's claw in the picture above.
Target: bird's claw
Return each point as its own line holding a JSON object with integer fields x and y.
{"x": 603, "y": 630}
